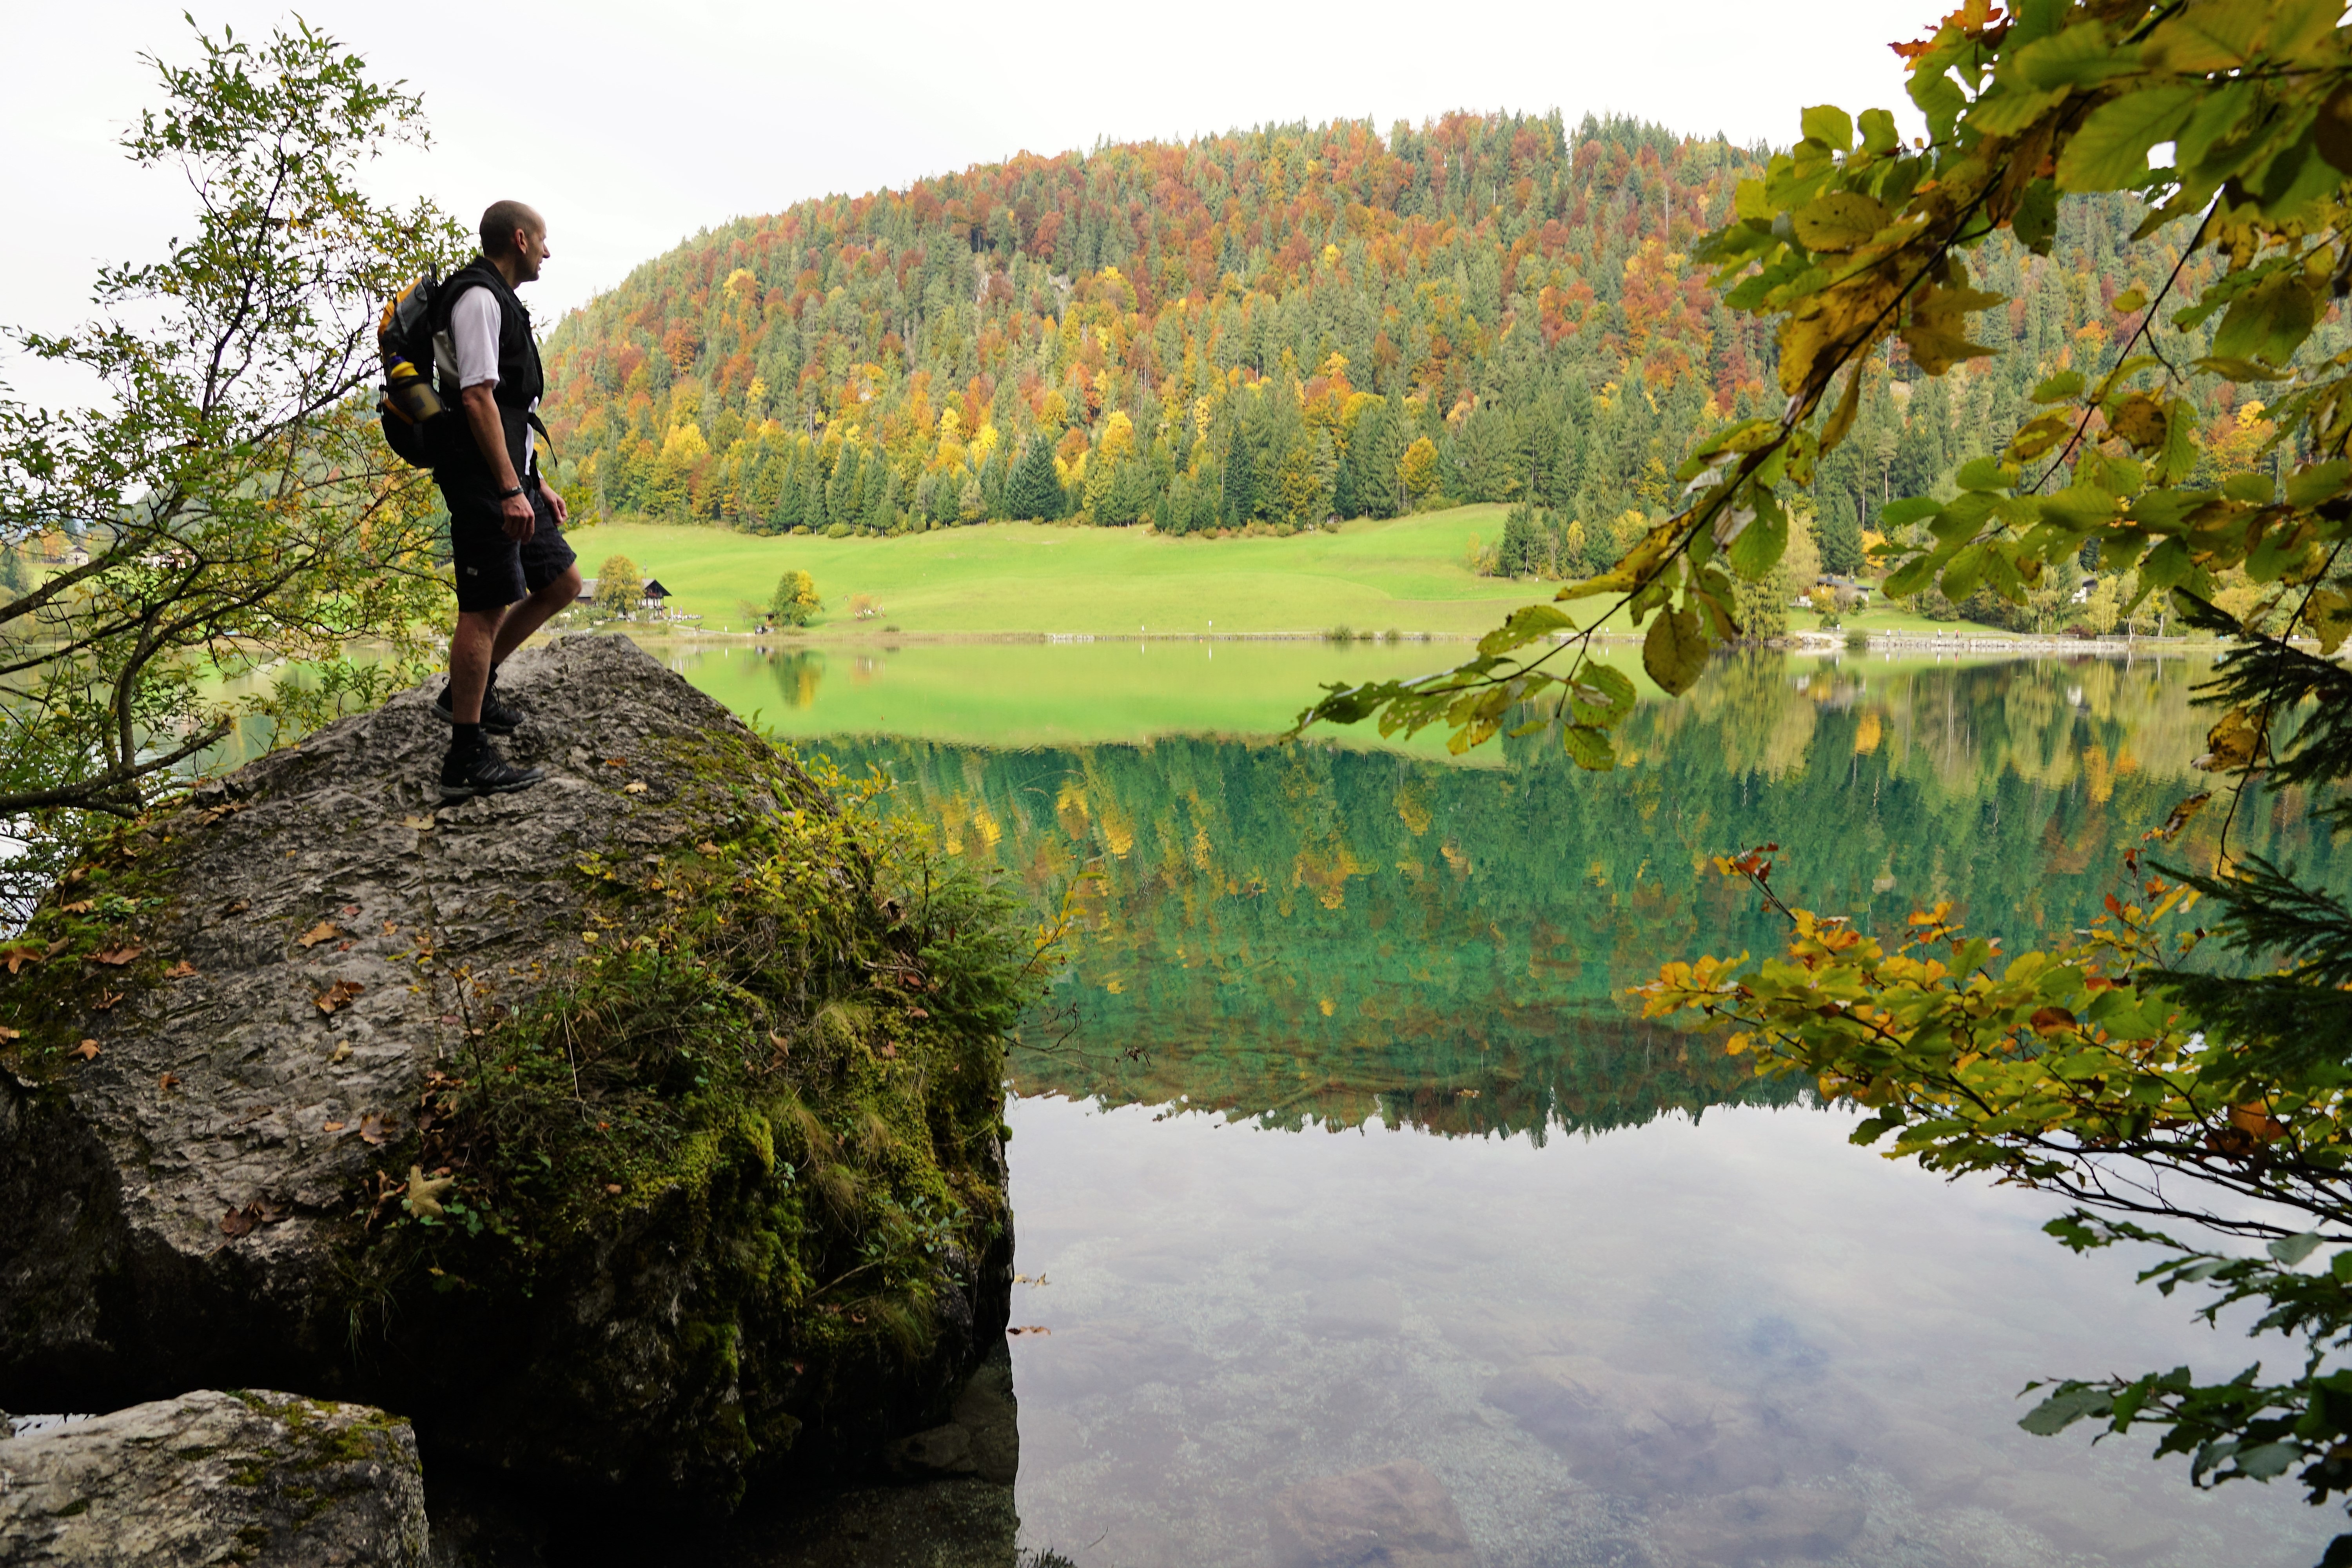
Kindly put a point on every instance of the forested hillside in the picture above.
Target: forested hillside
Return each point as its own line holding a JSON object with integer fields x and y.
{"x": 1266, "y": 329}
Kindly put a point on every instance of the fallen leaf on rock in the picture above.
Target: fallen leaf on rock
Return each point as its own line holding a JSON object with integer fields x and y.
{"x": 325, "y": 930}
{"x": 344, "y": 945}
{"x": 338, "y": 995}
{"x": 21, "y": 954}
{"x": 424, "y": 1192}
{"x": 179, "y": 971}
{"x": 330, "y": 1126}
{"x": 269, "y": 1210}
{"x": 237, "y": 907}
{"x": 80, "y": 907}
{"x": 170, "y": 1080}
{"x": 634, "y": 786}
{"x": 342, "y": 1053}
{"x": 613, "y": 1186}
{"x": 616, "y": 761}
{"x": 421, "y": 823}
{"x": 85, "y": 1050}
{"x": 7, "y": 1034}
{"x": 1030, "y": 1329}
{"x": 706, "y": 847}
{"x": 886, "y": 1050}
{"x": 588, "y": 936}
{"x": 917, "y": 1013}
{"x": 236, "y": 1223}
{"x": 116, "y": 956}
{"x": 391, "y": 929}
{"x": 351, "y": 909}
{"x": 105, "y": 1003}
{"x": 371, "y": 1127}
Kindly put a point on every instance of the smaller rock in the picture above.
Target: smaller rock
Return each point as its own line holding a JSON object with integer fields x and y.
{"x": 981, "y": 1436}
{"x": 1391, "y": 1516}
{"x": 1763, "y": 1524}
{"x": 265, "y": 1480}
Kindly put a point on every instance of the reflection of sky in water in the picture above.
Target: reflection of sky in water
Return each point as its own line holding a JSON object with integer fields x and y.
{"x": 1739, "y": 1341}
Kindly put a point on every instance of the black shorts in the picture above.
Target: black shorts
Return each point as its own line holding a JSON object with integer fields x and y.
{"x": 494, "y": 570}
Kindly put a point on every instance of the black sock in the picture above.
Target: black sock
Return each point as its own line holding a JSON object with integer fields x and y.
{"x": 465, "y": 737}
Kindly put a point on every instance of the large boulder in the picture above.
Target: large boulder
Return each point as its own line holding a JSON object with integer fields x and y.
{"x": 267, "y": 1480}
{"x": 640, "y": 1127}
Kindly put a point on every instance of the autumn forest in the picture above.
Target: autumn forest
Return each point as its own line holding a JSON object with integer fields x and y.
{"x": 1268, "y": 330}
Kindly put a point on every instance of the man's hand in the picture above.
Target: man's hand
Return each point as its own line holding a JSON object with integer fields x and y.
{"x": 517, "y": 518}
{"x": 554, "y": 502}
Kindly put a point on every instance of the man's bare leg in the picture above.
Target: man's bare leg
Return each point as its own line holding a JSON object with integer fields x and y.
{"x": 533, "y": 612}
{"x": 470, "y": 649}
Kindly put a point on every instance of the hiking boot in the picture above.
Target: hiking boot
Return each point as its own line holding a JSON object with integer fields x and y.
{"x": 497, "y": 719}
{"x": 481, "y": 771}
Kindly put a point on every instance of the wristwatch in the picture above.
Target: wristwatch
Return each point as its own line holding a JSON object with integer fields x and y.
{"x": 504, "y": 495}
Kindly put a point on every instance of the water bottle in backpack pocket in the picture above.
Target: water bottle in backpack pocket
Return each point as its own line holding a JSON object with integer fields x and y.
{"x": 410, "y": 410}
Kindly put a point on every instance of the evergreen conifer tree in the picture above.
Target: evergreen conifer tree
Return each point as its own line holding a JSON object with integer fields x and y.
{"x": 1035, "y": 491}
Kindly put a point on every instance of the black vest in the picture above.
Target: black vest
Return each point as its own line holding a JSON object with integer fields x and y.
{"x": 520, "y": 379}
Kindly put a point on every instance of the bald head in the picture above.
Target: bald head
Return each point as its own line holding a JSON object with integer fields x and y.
{"x": 514, "y": 238}
{"x": 501, "y": 223}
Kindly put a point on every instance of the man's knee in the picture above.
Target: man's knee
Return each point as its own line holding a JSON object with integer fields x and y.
{"x": 562, "y": 590}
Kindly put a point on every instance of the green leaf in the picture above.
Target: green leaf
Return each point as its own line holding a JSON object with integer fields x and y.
{"x": 1526, "y": 622}
{"x": 2292, "y": 1249}
{"x": 2058, "y": 388}
{"x": 2130, "y": 300}
{"x": 1675, "y": 652}
{"x": 1908, "y": 511}
{"x": 2079, "y": 56}
{"x": 2035, "y": 222}
{"x": 2270, "y": 321}
{"x": 1587, "y": 747}
{"x": 2062, "y": 1409}
{"x": 1966, "y": 571}
{"x": 2268, "y": 1459}
{"x": 1985, "y": 474}
{"x": 2306, "y": 488}
{"x": 2176, "y": 459}
{"x": 1838, "y": 220}
{"x": 1830, "y": 125}
{"x": 1878, "y": 133}
{"x": 2109, "y": 152}
{"x": 2254, "y": 489}
{"x": 1614, "y": 688}
{"x": 1910, "y": 577}
{"x": 1760, "y": 544}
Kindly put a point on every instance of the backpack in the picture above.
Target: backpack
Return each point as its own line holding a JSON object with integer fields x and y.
{"x": 410, "y": 408}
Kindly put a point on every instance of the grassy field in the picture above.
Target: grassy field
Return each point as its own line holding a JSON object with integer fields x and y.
{"x": 1409, "y": 574}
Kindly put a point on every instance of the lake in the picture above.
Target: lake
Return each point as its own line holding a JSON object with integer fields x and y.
{"x": 1349, "y": 1187}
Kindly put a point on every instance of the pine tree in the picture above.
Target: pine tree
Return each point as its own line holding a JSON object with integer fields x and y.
{"x": 1035, "y": 492}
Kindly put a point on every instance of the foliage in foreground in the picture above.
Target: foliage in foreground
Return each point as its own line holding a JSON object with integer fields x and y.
{"x": 229, "y": 503}
{"x": 2103, "y": 1069}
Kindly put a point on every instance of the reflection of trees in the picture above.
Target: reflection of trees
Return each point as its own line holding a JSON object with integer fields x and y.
{"x": 1302, "y": 930}
{"x": 796, "y": 675}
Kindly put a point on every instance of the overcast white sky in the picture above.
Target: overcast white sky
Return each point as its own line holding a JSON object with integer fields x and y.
{"x": 632, "y": 126}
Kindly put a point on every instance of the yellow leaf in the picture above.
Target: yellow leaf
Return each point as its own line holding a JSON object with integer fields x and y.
{"x": 1675, "y": 652}
{"x": 325, "y": 930}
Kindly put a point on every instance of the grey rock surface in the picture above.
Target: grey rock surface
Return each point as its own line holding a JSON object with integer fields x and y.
{"x": 261, "y": 1479}
{"x": 176, "y": 1207}
{"x": 1390, "y": 1516}
{"x": 980, "y": 1437}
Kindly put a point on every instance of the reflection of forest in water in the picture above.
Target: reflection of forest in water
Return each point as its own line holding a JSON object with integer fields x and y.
{"x": 1318, "y": 930}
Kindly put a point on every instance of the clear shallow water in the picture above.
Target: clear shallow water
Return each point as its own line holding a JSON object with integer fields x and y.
{"x": 1442, "y": 1205}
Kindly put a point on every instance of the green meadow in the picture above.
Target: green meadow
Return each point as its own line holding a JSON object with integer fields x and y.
{"x": 1409, "y": 574}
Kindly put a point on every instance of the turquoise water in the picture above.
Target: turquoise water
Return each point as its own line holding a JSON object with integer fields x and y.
{"x": 1349, "y": 1194}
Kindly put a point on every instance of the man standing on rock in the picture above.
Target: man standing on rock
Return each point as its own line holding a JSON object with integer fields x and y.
{"x": 505, "y": 522}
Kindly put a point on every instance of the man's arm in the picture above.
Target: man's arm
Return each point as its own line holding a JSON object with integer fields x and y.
{"x": 480, "y": 404}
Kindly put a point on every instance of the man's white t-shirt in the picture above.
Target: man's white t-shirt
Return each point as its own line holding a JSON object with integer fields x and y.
{"x": 469, "y": 351}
